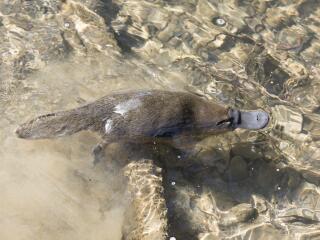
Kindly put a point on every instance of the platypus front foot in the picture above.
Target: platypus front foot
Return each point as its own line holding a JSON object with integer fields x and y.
{"x": 98, "y": 153}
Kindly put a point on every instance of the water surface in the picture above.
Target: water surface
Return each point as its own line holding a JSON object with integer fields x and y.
{"x": 245, "y": 54}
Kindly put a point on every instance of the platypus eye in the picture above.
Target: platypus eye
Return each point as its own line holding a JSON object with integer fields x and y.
{"x": 229, "y": 121}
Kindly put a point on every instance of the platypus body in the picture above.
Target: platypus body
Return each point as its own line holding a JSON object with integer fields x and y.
{"x": 144, "y": 115}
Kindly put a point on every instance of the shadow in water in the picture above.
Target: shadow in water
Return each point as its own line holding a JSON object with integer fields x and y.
{"x": 217, "y": 191}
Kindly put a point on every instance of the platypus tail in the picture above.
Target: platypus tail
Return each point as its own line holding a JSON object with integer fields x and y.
{"x": 55, "y": 124}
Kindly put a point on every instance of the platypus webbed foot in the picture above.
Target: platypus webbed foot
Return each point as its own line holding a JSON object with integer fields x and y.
{"x": 99, "y": 153}
{"x": 255, "y": 120}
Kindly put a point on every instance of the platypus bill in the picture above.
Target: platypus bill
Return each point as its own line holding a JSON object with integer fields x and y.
{"x": 144, "y": 115}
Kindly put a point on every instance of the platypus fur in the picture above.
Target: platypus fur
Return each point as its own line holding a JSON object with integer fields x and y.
{"x": 143, "y": 115}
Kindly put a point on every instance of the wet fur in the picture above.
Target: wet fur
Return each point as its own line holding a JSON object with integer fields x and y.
{"x": 160, "y": 114}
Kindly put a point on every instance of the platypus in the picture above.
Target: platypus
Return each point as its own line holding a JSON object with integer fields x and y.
{"x": 144, "y": 116}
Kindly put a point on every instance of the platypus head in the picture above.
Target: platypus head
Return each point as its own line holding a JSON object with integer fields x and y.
{"x": 254, "y": 120}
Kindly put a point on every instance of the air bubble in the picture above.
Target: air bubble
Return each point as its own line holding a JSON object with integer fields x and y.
{"x": 219, "y": 21}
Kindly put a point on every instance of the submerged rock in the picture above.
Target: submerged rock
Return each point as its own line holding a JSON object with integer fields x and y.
{"x": 239, "y": 214}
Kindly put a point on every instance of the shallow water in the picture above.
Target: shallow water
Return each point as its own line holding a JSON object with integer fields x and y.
{"x": 240, "y": 185}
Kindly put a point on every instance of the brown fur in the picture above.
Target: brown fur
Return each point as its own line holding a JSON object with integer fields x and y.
{"x": 158, "y": 114}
